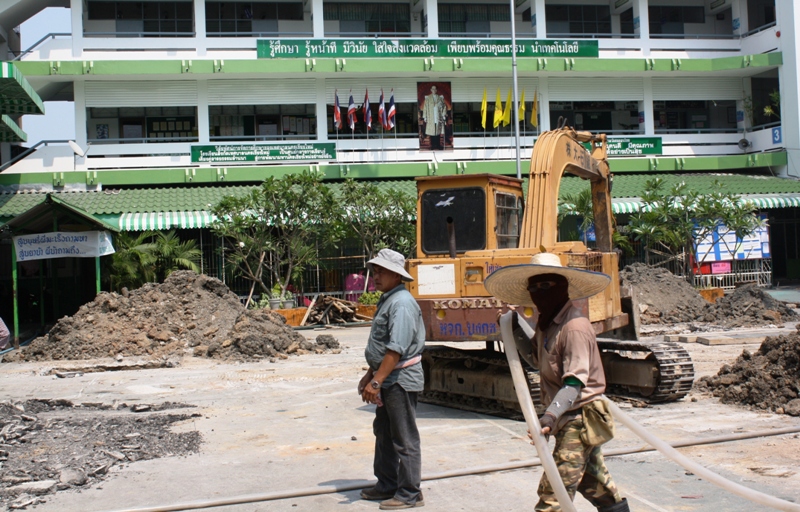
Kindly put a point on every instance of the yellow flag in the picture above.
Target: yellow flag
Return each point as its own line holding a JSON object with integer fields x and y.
{"x": 521, "y": 110}
{"x": 483, "y": 109}
{"x": 498, "y": 110}
{"x": 507, "y": 110}
{"x": 535, "y": 110}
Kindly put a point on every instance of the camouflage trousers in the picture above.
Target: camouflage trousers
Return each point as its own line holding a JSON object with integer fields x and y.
{"x": 581, "y": 467}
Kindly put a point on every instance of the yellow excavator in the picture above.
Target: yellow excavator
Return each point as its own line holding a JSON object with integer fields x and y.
{"x": 469, "y": 226}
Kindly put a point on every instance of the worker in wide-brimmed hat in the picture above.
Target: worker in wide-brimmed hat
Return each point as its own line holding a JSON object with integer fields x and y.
{"x": 394, "y": 377}
{"x": 572, "y": 382}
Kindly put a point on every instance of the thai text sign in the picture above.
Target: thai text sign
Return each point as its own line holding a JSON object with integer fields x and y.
{"x": 263, "y": 152}
{"x": 633, "y": 146}
{"x": 723, "y": 245}
{"x": 43, "y": 246}
{"x": 355, "y": 48}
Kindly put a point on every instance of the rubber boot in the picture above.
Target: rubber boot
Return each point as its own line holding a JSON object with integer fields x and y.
{"x": 622, "y": 506}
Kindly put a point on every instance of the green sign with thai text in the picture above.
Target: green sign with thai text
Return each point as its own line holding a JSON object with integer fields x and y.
{"x": 359, "y": 48}
{"x": 633, "y": 146}
{"x": 231, "y": 153}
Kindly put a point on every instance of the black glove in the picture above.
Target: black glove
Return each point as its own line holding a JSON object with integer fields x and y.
{"x": 548, "y": 420}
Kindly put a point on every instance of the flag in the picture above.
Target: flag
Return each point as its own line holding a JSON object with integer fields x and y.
{"x": 535, "y": 110}
{"x": 351, "y": 112}
{"x": 337, "y": 113}
{"x": 521, "y": 110}
{"x": 382, "y": 114}
{"x": 498, "y": 110}
{"x": 390, "y": 112}
{"x": 483, "y": 109}
{"x": 507, "y": 110}
{"x": 367, "y": 112}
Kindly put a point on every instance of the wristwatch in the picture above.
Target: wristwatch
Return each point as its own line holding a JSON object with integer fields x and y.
{"x": 375, "y": 384}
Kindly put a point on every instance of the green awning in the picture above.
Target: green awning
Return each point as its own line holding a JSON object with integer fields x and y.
{"x": 763, "y": 202}
{"x": 16, "y": 94}
{"x": 10, "y": 131}
{"x": 165, "y": 220}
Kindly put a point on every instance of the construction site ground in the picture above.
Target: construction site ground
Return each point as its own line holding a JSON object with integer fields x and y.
{"x": 298, "y": 423}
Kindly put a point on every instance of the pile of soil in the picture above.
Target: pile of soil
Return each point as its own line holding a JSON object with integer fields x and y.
{"x": 769, "y": 379}
{"x": 188, "y": 313}
{"x": 55, "y": 445}
{"x": 668, "y": 299}
{"x": 663, "y": 297}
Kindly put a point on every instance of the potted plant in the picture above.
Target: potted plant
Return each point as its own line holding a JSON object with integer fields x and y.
{"x": 275, "y": 297}
{"x": 367, "y": 304}
{"x": 288, "y": 300}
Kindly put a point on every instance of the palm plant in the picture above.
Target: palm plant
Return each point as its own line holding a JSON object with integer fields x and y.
{"x": 173, "y": 254}
{"x": 133, "y": 263}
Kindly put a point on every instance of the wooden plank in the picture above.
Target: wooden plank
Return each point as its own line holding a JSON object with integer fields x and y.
{"x": 308, "y": 310}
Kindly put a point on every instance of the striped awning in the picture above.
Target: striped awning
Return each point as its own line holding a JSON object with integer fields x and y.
{"x": 762, "y": 201}
{"x": 10, "y": 131}
{"x": 16, "y": 94}
{"x": 165, "y": 220}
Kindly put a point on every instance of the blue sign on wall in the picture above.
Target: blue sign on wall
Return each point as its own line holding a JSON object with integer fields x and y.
{"x": 777, "y": 136}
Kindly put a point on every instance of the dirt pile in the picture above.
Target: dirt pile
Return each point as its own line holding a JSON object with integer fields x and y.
{"x": 769, "y": 379}
{"x": 53, "y": 445}
{"x": 188, "y": 313}
{"x": 663, "y": 297}
{"x": 668, "y": 299}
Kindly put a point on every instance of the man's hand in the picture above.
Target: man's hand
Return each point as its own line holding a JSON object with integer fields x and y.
{"x": 547, "y": 422}
{"x": 364, "y": 382}
{"x": 514, "y": 320}
{"x": 370, "y": 395}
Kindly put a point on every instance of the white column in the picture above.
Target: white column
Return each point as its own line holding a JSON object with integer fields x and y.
{"x": 641, "y": 24}
{"x": 76, "y": 13}
{"x": 431, "y": 14}
{"x": 544, "y": 104}
{"x": 203, "y": 125}
{"x": 201, "y": 41}
{"x": 646, "y": 108}
{"x": 539, "y": 19}
{"x": 79, "y": 95}
{"x": 788, "y": 16}
{"x": 318, "y": 18}
{"x": 322, "y": 111}
{"x": 739, "y": 16}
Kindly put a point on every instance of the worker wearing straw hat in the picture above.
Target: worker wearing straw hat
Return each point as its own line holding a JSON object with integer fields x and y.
{"x": 564, "y": 349}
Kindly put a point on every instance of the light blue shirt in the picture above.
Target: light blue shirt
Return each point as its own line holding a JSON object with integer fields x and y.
{"x": 397, "y": 326}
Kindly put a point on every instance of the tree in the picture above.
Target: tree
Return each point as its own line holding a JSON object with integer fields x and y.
{"x": 378, "y": 218}
{"x": 774, "y": 107}
{"x": 677, "y": 220}
{"x": 133, "y": 262}
{"x": 275, "y": 228}
{"x": 580, "y": 204}
{"x": 173, "y": 254}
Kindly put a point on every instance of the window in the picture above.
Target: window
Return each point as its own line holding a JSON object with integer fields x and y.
{"x": 465, "y": 208}
{"x": 626, "y": 22}
{"x": 142, "y": 124}
{"x": 695, "y": 116}
{"x": 471, "y": 18}
{"x": 262, "y": 122}
{"x": 231, "y": 19}
{"x": 151, "y": 19}
{"x": 619, "y": 117}
{"x": 577, "y": 19}
{"x": 369, "y": 18}
{"x": 509, "y": 218}
{"x": 670, "y": 19}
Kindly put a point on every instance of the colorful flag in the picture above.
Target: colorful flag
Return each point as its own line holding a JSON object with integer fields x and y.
{"x": 498, "y": 110}
{"x": 382, "y": 113}
{"x": 390, "y": 112}
{"x": 483, "y": 109}
{"x": 367, "y": 112}
{"x": 337, "y": 113}
{"x": 351, "y": 112}
{"x": 521, "y": 110}
{"x": 535, "y": 110}
{"x": 507, "y": 110}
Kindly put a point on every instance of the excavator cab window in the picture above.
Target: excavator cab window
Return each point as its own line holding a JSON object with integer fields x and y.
{"x": 509, "y": 217}
{"x": 465, "y": 208}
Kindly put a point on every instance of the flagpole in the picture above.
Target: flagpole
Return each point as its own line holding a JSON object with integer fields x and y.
{"x": 514, "y": 74}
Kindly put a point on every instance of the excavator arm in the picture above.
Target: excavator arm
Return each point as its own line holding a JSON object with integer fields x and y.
{"x": 557, "y": 152}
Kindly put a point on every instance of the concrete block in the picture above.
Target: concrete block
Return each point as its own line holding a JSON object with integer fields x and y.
{"x": 687, "y": 338}
{"x": 671, "y": 338}
{"x": 729, "y": 340}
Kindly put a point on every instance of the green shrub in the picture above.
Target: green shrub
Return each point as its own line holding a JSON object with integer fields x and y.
{"x": 369, "y": 298}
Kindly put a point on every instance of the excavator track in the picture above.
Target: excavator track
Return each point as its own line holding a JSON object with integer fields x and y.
{"x": 674, "y": 368}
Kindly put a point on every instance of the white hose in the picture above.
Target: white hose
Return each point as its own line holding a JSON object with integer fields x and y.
{"x": 704, "y": 473}
{"x": 525, "y": 402}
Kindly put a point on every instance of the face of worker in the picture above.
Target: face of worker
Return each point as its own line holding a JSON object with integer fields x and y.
{"x": 433, "y": 89}
{"x": 548, "y": 289}
{"x": 385, "y": 280}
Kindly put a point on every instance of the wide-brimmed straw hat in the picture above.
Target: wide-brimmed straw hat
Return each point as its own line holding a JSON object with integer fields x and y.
{"x": 391, "y": 260}
{"x": 510, "y": 284}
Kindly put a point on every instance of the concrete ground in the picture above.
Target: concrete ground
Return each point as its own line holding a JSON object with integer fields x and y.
{"x": 299, "y": 424}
